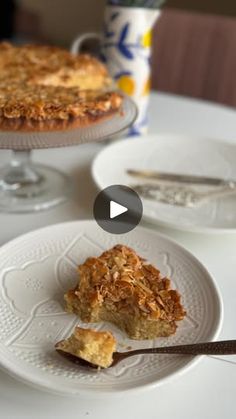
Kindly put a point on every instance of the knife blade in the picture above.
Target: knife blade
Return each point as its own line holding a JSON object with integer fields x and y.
{"x": 181, "y": 178}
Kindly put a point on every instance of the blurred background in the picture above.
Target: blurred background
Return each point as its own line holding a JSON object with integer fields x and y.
{"x": 194, "y": 41}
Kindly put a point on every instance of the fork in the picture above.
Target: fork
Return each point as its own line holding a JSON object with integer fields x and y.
{"x": 225, "y": 347}
{"x": 183, "y": 196}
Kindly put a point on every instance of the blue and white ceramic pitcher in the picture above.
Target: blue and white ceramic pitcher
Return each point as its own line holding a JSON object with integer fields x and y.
{"x": 126, "y": 50}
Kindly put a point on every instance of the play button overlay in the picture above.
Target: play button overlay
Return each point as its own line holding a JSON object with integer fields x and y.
{"x": 118, "y": 209}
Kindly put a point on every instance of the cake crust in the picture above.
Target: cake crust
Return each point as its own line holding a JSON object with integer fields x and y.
{"x": 31, "y": 125}
{"x": 121, "y": 287}
{"x": 41, "y": 108}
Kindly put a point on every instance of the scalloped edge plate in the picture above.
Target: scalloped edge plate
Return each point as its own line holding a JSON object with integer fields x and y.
{"x": 65, "y": 236}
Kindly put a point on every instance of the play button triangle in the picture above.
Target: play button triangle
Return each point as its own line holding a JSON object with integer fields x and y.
{"x": 116, "y": 209}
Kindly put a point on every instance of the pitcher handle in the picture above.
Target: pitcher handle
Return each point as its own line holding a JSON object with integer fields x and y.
{"x": 78, "y": 42}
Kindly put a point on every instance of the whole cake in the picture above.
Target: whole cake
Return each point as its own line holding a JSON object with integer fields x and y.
{"x": 48, "y": 88}
{"x": 122, "y": 288}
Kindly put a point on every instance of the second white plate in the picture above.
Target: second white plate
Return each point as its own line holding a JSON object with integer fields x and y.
{"x": 170, "y": 153}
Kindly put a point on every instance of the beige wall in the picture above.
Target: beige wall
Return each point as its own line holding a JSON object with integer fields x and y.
{"x": 62, "y": 20}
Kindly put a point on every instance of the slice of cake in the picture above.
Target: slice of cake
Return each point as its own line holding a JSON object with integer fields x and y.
{"x": 90, "y": 345}
{"x": 120, "y": 287}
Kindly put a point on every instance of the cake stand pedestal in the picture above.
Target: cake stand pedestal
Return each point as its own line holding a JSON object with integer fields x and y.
{"x": 26, "y": 186}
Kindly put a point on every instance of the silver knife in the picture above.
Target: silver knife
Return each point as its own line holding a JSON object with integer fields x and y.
{"x": 181, "y": 178}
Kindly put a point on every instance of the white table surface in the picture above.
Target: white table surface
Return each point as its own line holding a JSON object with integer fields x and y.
{"x": 206, "y": 391}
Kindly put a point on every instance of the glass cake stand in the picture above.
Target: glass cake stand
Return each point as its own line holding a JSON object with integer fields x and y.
{"x": 26, "y": 186}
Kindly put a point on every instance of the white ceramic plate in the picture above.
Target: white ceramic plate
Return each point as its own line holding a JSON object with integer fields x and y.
{"x": 35, "y": 271}
{"x": 178, "y": 154}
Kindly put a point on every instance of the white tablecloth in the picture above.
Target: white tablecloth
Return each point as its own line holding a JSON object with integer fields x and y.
{"x": 206, "y": 391}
